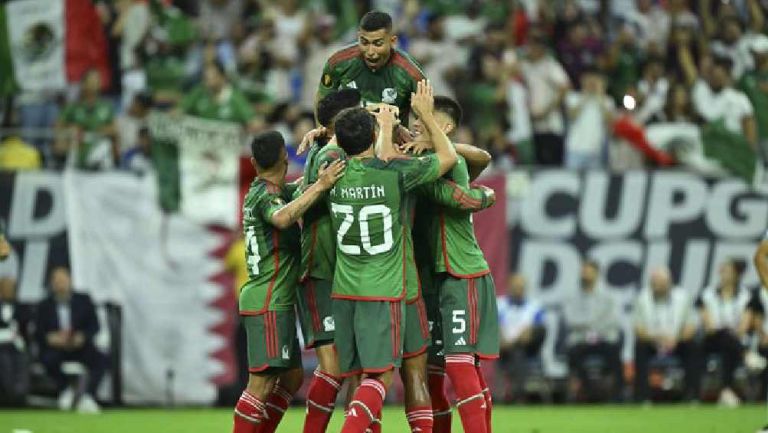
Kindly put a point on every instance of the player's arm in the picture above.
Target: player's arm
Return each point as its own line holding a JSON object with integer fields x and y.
{"x": 5, "y": 247}
{"x": 287, "y": 215}
{"x": 422, "y": 103}
{"x": 386, "y": 118}
{"x": 477, "y": 159}
{"x": 761, "y": 262}
{"x": 450, "y": 194}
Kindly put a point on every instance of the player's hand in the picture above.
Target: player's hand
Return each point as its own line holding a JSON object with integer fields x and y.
{"x": 376, "y": 107}
{"x": 490, "y": 193}
{"x": 423, "y": 100}
{"x": 403, "y": 135}
{"x": 386, "y": 115}
{"x": 5, "y": 248}
{"x": 416, "y": 147}
{"x": 329, "y": 174}
{"x": 310, "y": 138}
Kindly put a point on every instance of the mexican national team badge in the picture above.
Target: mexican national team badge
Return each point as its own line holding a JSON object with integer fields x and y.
{"x": 327, "y": 80}
{"x": 388, "y": 95}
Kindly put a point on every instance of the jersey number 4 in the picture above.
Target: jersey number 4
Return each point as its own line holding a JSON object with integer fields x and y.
{"x": 252, "y": 248}
{"x": 365, "y": 236}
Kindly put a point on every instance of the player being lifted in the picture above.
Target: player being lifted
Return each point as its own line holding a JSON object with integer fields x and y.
{"x": 460, "y": 298}
{"x": 267, "y": 299}
{"x": 372, "y": 234}
{"x": 380, "y": 71}
{"x": 318, "y": 245}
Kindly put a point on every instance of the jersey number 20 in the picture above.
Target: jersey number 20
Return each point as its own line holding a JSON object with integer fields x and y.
{"x": 365, "y": 213}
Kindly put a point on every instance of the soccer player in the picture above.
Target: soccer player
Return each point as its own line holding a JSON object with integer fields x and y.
{"x": 267, "y": 299}
{"x": 318, "y": 261}
{"x": 371, "y": 227}
{"x": 461, "y": 298}
{"x": 5, "y": 247}
{"x": 380, "y": 71}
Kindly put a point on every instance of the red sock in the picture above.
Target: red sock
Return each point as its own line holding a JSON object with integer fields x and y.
{"x": 366, "y": 402}
{"x": 249, "y": 414}
{"x": 488, "y": 397}
{"x": 441, "y": 406}
{"x": 276, "y": 405}
{"x": 321, "y": 397}
{"x": 420, "y": 419}
{"x": 376, "y": 427}
{"x": 471, "y": 402}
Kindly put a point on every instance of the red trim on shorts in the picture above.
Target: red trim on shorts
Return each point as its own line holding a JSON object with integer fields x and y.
{"x": 421, "y": 351}
{"x": 312, "y": 304}
{"x": 422, "y": 310}
{"x": 258, "y": 369}
{"x": 268, "y": 334}
{"x": 268, "y": 299}
{"x": 367, "y": 371}
{"x": 367, "y": 299}
{"x": 403, "y": 62}
{"x": 473, "y": 316}
{"x": 344, "y": 54}
{"x": 486, "y": 356}
{"x": 392, "y": 329}
{"x": 448, "y": 269}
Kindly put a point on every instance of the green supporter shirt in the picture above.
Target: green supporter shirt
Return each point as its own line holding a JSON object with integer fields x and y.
{"x": 371, "y": 223}
{"x": 755, "y": 85}
{"x": 165, "y": 73}
{"x": 91, "y": 118}
{"x": 393, "y": 83}
{"x": 232, "y": 106}
{"x": 272, "y": 255}
{"x": 318, "y": 243}
{"x": 446, "y": 235}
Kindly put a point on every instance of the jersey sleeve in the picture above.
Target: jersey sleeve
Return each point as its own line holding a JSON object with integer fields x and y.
{"x": 268, "y": 204}
{"x": 418, "y": 171}
{"x": 450, "y": 194}
{"x": 328, "y": 81}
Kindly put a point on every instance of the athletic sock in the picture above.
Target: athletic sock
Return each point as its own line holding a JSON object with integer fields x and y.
{"x": 471, "y": 401}
{"x": 321, "y": 398}
{"x": 276, "y": 405}
{"x": 488, "y": 397}
{"x": 441, "y": 406}
{"x": 419, "y": 419}
{"x": 376, "y": 427}
{"x": 249, "y": 414}
{"x": 366, "y": 402}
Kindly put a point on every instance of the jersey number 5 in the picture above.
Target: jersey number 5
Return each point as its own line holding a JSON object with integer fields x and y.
{"x": 365, "y": 236}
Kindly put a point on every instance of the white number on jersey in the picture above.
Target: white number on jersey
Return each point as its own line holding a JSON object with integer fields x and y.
{"x": 365, "y": 213}
{"x": 252, "y": 250}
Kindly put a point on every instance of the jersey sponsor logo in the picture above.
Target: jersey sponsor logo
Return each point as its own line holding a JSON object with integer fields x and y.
{"x": 460, "y": 342}
{"x": 329, "y": 324}
{"x": 286, "y": 352}
{"x": 388, "y": 95}
{"x": 327, "y": 81}
{"x": 352, "y": 85}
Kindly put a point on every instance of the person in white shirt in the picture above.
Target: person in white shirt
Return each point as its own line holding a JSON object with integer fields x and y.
{"x": 430, "y": 50}
{"x": 715, "y": 99}
{"x": 521, "y": 326}
{"x": 590, "y": 112}
{"x": 547, "y": 85}
{"x": 723, "y": 315}
{"x": 665, "y": 325}
{"x": 593, "y": 328}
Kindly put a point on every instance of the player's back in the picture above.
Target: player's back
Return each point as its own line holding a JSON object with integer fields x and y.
{"x": 369, "y": 218}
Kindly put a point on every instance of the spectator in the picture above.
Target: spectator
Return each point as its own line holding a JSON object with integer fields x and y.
{"x": 521, "y": 326}
{"x": 221, "y": 24}
{"x": 139, "y": 158}
{"x": 90, "y": 121}
{"x": 14, "y": 363}
{"x": 15, "y": 154}
{"x": 430, "y": 50}
{"x": 131, "y": 27}
{"x": 5, "y": 247}
{"x": 592, "y": 323}
{"x": 520, "y": 132}
{"x": 547, "y": 83}
{"x": 318, "y": 48}
{"x": 651, "y": 22}
{"x": 590, "y": 113}
{"x": 734, "y": 45}
{"x": 65, "y": 329}
{"x": 652, "y": 92}
{"x": 716, "y": 100}
{"x": 133, "y": 120}
{"x": 723, "y": 317}
{"x": 755, "y": 85}
{"x": 579, "y": 50}
{"x": 217, "y": 99}
{"x": 623, "y": 63}
{"x": 665, "y": 325}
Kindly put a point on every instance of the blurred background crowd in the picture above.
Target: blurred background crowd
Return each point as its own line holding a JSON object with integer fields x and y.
{"x": 688, "y": 79}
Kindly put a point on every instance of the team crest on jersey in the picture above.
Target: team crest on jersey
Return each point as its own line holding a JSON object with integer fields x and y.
{"x": 352, "y": 85}
{"x": 328, "y": 324}
{"x": 327, "y": 80}
{"x": 286, "y": 353}
{"x": 278, "y": 201}
{"x": 388, "y": 95}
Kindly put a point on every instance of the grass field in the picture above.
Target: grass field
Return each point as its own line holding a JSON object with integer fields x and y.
{"x": 586, "y": 419}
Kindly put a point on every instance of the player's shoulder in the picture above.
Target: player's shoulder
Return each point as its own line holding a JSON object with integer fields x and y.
{"x": 331, "y": 152}
{"x": 344, "y": 55}
{"x": 406, "y": 161}
{"x": 406, "y": 63}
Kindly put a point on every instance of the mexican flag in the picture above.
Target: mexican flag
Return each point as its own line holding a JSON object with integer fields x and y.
{"x": 46, "y": 44}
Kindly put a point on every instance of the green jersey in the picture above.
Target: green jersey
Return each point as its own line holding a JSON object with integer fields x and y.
{"x": 91, "y": 118}
{"x": 272, "y": 255}
{"x": 393, "y": 83}
{"x": 755, "y": 85}
{"x": 318, "y": 244}
{"x": 230, "y": 106}
{"x": 448, "y": 231}
{"x": 370, "y": 219}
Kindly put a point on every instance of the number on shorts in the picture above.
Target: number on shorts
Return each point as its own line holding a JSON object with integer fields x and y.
{"x": 365, "y": 213}
{"x": 459, "y": 323}
{"x": 252, "y": 245}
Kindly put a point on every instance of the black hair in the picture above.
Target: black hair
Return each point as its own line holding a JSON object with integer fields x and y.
{"x": 354, "y": 129}
{"x": 376, "y": 20}
{"x": 447, "y": 105}
{"x": 145, "y": 99}
{"x": 266, "y": 148}
{"x": 723, "y": 62}
{"x": 334, "y": 102}
{"x": 592, "y": 70}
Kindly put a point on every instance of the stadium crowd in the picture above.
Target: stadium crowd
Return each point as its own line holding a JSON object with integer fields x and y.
{"x": 687, "y": 79}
